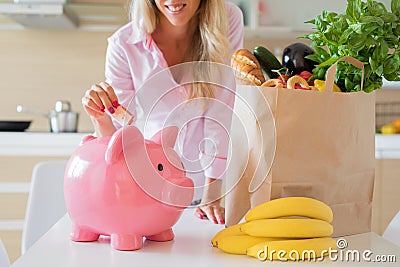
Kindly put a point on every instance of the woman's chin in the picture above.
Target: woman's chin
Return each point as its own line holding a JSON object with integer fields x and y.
{"x": 178, "y": 22}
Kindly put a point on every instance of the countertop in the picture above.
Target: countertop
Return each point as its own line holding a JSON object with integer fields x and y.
{"x": 191, "y": 247}
{"x": 63, "y": 144}
{"x": 387, "y": 146}
{"x": 39, "y": 143}
{"x": 390, "y": 85}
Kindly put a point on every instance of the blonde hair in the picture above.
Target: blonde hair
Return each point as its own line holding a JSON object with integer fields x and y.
{"x": 210, "y": 41}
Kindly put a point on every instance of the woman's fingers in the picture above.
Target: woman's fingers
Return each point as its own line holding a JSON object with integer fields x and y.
{"x": 209, "y": 211}
{"x": 199, "y": 214}
{"x": 100, "y": 97}
{"x": 103, "y": 96}
{"x": 90, "y": 106}
{"x": 92, "y": 99}
{"x": 219, "y": 213}
{"x": 214, "y": 212}
{"x": 111, "y": 94}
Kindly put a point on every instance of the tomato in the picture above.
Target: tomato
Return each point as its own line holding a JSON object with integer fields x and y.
{"x": 283, "y": 78}
{"x": 305, "y": 75}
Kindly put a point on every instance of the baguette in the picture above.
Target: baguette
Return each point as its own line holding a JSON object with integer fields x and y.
{"x": 246, "y": 68}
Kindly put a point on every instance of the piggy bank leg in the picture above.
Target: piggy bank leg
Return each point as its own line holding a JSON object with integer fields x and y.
{"x": 126, "y": 241}
{"x": 80, "y": 234}
{"x": 166, "y": 235}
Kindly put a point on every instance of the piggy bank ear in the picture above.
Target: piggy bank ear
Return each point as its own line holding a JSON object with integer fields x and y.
{"x": 125, "y": 136}
{"x": 166, "y": 136}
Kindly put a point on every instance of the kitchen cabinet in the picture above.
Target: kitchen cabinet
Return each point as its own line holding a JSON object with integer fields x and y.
{"x": 19, "y": 152}
{"x": 109, "y": 2}
{"x": 93, "y": 15}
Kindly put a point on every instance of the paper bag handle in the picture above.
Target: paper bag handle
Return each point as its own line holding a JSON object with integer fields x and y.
{"x": 330, "y": 75}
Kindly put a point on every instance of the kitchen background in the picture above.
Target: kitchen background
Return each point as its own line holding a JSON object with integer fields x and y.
{"x": 40, "y": 66}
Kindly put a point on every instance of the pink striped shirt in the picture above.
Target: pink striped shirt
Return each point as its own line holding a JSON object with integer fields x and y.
{"x": 136, "y": 69}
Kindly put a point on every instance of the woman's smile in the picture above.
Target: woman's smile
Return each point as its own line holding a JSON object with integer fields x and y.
{"x": 178, "y": 12}
{"x": 175, "y": 8}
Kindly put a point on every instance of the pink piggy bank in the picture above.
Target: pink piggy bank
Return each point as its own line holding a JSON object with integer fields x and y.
{"x": 126, "y": 187}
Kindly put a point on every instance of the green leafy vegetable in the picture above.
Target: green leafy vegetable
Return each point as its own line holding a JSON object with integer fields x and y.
{"x": 368, "y": 32}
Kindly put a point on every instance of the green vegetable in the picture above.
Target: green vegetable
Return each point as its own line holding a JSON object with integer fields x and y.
{"x": 268, "y": 61}
{"x": 368, "y": 32}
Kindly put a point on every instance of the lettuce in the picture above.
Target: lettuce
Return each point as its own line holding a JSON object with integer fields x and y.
{"x": 366, "y": 31}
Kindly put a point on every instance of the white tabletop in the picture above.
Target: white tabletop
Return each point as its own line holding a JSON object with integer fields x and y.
{"x": 191, "y": 247}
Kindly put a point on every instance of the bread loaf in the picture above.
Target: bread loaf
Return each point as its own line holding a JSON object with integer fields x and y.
{"x": 246, "y": 68}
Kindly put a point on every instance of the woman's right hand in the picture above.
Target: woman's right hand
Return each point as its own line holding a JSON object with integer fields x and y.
{"x": 99, "y": 98}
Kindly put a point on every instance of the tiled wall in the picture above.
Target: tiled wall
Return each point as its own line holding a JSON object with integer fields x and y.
{"x": 40, "y": 67}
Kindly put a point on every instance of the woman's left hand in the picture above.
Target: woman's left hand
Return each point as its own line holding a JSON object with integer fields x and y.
{"x": 210, "y": 206}
{"x": 212, "y": 211}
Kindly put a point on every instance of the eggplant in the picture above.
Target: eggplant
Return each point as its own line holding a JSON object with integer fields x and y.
{"x": 293, "y": 58}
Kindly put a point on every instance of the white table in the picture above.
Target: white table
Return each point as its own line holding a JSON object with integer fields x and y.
{"x": 191, "y": 247}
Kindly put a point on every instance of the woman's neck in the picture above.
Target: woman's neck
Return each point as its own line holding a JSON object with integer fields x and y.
{"x": 166, "y": 32}
{"x": 173, "y": 40}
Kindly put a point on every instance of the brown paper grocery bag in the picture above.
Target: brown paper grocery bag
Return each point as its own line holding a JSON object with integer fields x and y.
{"x": 308, "y": 143}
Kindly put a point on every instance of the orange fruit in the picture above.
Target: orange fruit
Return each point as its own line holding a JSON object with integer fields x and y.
{"x": 396, "y": 124}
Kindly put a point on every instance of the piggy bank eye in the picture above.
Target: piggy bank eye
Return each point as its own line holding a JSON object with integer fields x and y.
{"x": 160, "y": 167}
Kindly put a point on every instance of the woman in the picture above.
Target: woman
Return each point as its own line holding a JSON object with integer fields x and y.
{"x": 164, "y": 34}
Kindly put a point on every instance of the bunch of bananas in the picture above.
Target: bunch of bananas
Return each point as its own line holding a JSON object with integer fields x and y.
{"x": 296, "y": 225}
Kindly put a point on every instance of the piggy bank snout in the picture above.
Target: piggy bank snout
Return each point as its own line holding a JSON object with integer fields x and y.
{"x": 178, "y": 192}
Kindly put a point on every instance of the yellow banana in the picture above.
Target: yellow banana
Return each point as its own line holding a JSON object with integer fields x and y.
{"x": 291, "y": 206}
{"x": 299, "y": 249}
{"x": 238, "y": 244}
{"x": 288, "y": 228}
{"x": 231, "y": 230}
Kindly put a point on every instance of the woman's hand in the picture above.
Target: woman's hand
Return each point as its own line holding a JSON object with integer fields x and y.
{"x": 96, "y": 100}
{"x": 210, "y": 206}
{"x": 213, "y": 211}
